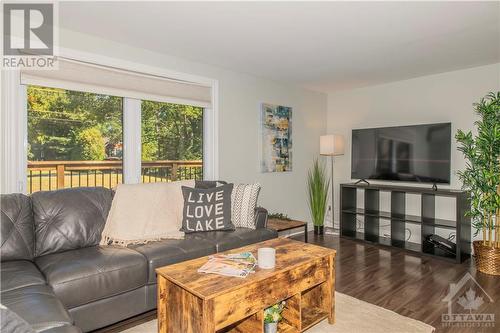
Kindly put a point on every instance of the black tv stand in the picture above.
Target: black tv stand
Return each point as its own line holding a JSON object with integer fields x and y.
{"x": 374, "y": 220}
{"x": 434, "y": 187}
{"x": 362, "y": 181}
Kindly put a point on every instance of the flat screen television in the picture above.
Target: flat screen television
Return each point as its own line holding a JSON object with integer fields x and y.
{"x": 418, "y": 153}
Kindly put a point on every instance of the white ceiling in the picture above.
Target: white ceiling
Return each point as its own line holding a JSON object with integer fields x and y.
{"x": 323, "y": 46}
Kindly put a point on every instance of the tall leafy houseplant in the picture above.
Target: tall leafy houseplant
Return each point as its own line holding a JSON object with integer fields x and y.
{"x": 317, "y": 190}
{"x": 481, "y": 177}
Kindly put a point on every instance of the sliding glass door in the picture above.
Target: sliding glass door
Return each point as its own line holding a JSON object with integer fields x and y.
{"x": 76, "y": 139}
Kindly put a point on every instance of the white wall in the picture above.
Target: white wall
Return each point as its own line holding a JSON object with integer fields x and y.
{"x": 240, "y": 95}
{"x": 446, "y": 97}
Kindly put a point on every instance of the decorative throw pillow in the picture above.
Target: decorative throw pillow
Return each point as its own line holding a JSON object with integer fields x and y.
{"x": 207, "y": 209}
{"x": 244, "y": 200}
{"x": 208, "y": 183}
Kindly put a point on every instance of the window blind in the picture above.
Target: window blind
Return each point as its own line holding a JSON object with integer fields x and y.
{"x": 81, "y": 76}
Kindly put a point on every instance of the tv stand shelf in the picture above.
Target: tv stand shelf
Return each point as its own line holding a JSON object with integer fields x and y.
{"x": 398, "y": 219}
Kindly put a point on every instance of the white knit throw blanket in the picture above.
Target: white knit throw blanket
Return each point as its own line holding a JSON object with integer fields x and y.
{"x": 142, "y": 213}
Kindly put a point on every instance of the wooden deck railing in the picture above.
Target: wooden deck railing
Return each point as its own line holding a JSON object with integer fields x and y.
{"x": 51, "y": 175}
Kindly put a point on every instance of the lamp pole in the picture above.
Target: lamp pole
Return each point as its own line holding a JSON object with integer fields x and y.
{"x": 333, "y": 189}
{"x": 332, "y": 145}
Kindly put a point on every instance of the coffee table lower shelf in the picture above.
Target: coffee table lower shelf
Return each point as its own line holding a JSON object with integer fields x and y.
{"x": 302, "y": 311}
{"x": 311, "y": 317}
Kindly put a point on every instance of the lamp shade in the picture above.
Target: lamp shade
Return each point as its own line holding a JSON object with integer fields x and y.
{"x": 331, "y": 145}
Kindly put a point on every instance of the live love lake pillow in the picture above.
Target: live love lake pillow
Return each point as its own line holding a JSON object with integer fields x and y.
{"x": 243, "y": 201}
{"x": 208, "y": 183}
{"x": 207, "y": 209}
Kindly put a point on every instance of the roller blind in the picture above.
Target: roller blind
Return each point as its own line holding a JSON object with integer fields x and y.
{"x": 81, "y": 76}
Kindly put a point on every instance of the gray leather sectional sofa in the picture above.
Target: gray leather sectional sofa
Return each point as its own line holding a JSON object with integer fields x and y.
{"x": 56, "y": 276}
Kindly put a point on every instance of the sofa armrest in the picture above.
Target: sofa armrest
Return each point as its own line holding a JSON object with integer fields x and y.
{"x": 260, "y": 218}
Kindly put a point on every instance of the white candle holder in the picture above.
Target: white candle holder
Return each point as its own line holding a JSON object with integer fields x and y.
{"x": 266, "y": 257}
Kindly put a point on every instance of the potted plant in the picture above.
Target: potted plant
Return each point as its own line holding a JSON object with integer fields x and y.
{"x": 481, "y": 178}
{"x": 272, "y": 316}
{"x": 279, "y": 216}
{"x": 317, "y": 190}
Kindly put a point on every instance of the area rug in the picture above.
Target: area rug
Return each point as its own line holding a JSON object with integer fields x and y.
{"x": 352, "y": 316}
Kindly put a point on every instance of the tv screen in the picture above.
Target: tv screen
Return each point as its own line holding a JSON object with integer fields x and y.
{"x": 419, "y": 153}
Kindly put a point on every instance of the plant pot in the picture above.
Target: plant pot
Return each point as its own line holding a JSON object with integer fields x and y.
{"x": 487, "y": 258}
{"x": 270, "y": 327}
{"x": 318, "y": 230}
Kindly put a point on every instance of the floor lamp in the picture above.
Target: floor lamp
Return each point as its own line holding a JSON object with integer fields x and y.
{"x": 332, "y": 145}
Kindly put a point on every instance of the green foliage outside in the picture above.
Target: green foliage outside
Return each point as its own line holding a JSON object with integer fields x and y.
{"x": 481, "y": 177}
{"x": 71, "y": 125}
{"x": 89, "y": 145}
{"x": 171, "y": 131}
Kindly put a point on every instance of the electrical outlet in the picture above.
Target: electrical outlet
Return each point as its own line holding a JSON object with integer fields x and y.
{"x": 329, "y": 217}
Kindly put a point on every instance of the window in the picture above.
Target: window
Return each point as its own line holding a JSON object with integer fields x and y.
{"x": 55, "y": 124}
{"x": 74, "y": 139}
{"x": 171, "y": 142}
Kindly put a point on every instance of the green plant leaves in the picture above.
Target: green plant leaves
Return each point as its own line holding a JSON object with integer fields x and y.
{"x": 481, "y": 177}
{"x": 317, "y": 190}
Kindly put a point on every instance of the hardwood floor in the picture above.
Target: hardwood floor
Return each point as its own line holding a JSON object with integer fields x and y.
{"x": 409, "y": 284}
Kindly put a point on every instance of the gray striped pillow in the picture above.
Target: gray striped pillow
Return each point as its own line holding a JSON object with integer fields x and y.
{"x": 244, "y": 202}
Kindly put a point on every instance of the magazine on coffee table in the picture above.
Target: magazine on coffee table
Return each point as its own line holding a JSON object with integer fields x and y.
{"x": 237, "y": 265}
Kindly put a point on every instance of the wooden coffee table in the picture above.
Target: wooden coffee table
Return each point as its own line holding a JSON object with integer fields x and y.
{"x": 304, "y": 276}
{"x": 283, "y": 225}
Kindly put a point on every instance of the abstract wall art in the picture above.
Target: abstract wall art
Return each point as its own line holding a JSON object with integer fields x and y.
{"x": 276, "y": 138}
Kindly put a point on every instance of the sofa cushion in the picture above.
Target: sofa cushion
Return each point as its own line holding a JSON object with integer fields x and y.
{"x": 90, "y": 274}
{"x": 38, "y": 305}
{"x": 227, "y": 240}
{"x": 70, "y": 218}
{"x": 171, "y": 251}
{"x": 17, "y": 227}
{"x": 18, "y": 274}
{"x": 11, "y": 322}
{"x": 62, "y": 329}
{"x": 95, "y": 315}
